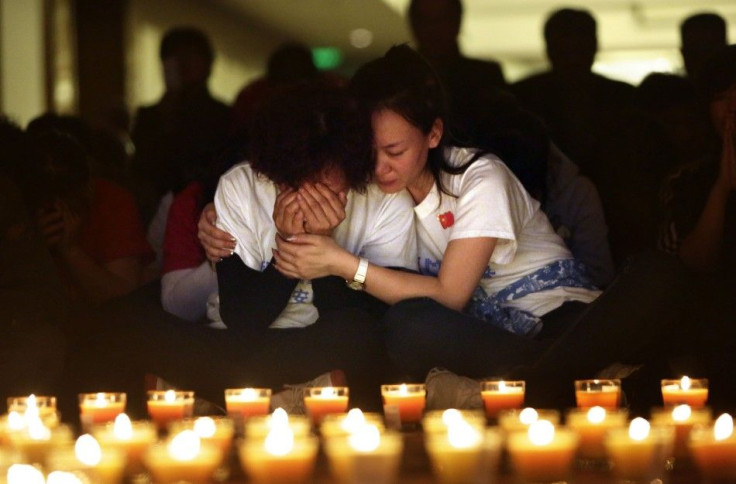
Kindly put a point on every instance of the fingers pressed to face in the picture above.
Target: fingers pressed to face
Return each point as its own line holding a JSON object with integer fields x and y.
{"x": 321, "y": 205}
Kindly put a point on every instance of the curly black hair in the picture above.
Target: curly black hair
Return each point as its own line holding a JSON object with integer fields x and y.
{"x": 309, "y": 128}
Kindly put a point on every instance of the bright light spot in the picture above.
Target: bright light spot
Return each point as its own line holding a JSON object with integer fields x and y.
{"x": 328, "y": 392}
{"x": 205, "y": 427}
{"x": 639, "y": 429}
{"x": 685, "y": 383}
{"x": 122, "y": 428}
{"x": 88, "y": 450}
{"x": 596, "y": 415}
{"x": 59, "y": 477}
{"x": 279, "y": 441}
{"x": 184, "y": 446}
{"x": 365, "y": 439}
{"x": 249, "y": 394}
{"x": 541, "y": 432}
{"x": 681, "y": 413}
{"x": 16, "y": 421}
{"x": 723, "y": 427}
{"x": 38, "y": 431}
{"x": 361, "y": 38}
{"x": 462, "y": 435}
{"x": 528, "y": 416}
{"x": 170, "y": 396}
{"x": 452, "y": 416}
{"x": 24, "y": 474}
{"x": 353, "y": 420}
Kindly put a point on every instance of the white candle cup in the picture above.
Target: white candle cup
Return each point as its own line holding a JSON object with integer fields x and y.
{"x": 683, "y": 418}
{"x": 639, "y": 454}
{"x": 366, "y": 456}
{"x": 343, "y": 424}
{"x": 280, "y": 458}
{"x": 464, "y": 453}
{"x": 257, "y": 428}
{"x": 591, "y": 425}
{"x": 100, "y": 465}
{"x": 35, "y": 442}
{"x": 183, "y": 458}
{"x": 542, "y": 453}
{"x": 130, "y": 437}
{"x": 439, "y": 420}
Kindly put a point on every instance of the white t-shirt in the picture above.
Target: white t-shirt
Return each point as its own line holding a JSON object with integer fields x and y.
{"x": 378, "y": 227}
{"x": 491, "y": 202}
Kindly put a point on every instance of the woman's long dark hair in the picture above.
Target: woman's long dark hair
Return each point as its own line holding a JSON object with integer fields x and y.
{"x": 404, "y": 82}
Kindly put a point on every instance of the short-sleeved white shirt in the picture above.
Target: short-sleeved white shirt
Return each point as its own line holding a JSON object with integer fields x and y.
{"x": 378, "y": 227}
{"x": 491, "y": 202}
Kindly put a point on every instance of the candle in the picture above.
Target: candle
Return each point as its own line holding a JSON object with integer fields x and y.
{"x": 167, "y": 406}
{"x": 365, "y": 456}
{"x": 682, "y": 418}
{"x": 713, "y": 448}
{"x": 321, "y": 401}
{"x": 280, "y": 458}
{"x": 217, "y": 431}
{"x": 36, "y": 440}
{"x": 501, "y": 395}
{"x": 591, "y": 426}
{"x": 96, "y": 408}
{"x": 343, "y": 424}
{"x": 542, "y": 453}
{"x": 104, "y": 466}
{"x": 247, "y": 402}
{"x": 132, "y": 438}
{"x": 258, "y": 428}
{"x": 456, "y": 454}
{"x": 689, "y": 391}
{"x": 515, "y": 420}
{"x": 183, "y": 459}
{"x": 639, "y": 452}
{"x": 41, "y": 406}
{"x": 24, "y": 474}
{"x": 598, "y": 393}
{"x": 403, "y": 404}
{"x": 440, "y": 420}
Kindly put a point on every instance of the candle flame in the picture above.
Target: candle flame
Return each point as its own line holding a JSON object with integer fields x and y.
{"x": 723, "y": 427}
{"x": 403, "y": 389}
{"x": 205, "y": 427}
{"x": 249, "y": 393}
{"x": 60, "y": 477}
{"x": 279, "y": 441}
{"x": 88, "y": 450}
{"x": 122, "y": 429}
{"x": 596, "y": 415}
{"x": 184, "y": 446}
{"x": 32, "y": 411}
{"x": 502, "y": 386}
{"x": 541, "y": 432}
{"x": 365, "y": 439}
{"x": 16, "y": 421}
{"x": 452, "y": 416}
{"x": 353, "y": 420}
{"x": 681, "y": 413}
{"x": 462, "y": 435}
{"x": 170, "y": 396}
{"x": 639, "y": 429}
{"x": 528, "y": 416}
{"x": 24, "y": 474}
{"x": 328, "y": 392}
{"x": 685, "y": 383}
{"x": 279, "y": 418}
{"x": 38, "y": 431}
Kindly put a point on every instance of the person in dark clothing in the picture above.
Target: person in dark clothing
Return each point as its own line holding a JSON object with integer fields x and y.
{"x": 701, "y": 35}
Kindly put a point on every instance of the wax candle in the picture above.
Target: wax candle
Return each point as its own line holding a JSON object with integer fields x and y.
{"x": 598, "y": 393}
{"x": 322, "y": 401}
{"x": 96, "y": 408}
{"x": 217, "y": 431}
{"x": 501, "y": 395}
{"x": 36, "y": 440}
{"x": 104, "y": 466}
{"x": 713, "y": 448}
{"x": 184, "y": 458}
{"x": 639, "y": 453}
{"x": 343, "y": 424}
{"x": 591, "y": 426}
{"x": 543, "y": 453}
{"x": 32, "y": 406}
{"x": 686, "y": 390}
{"x": 132, "y": 438}
{"x": 440, "y": 420}
{"x": 519, "y": 420}
{"x": 365, "y": 456}
{"x": 403, "y": 404}
{"x": 456, "y": 454}
{"x": 257, "y": 428}
{"x": 169, "y": 405}
{"x": 247, "y": 402}
{"x": 280, "y": 458}
{"x": 682, "y": 418}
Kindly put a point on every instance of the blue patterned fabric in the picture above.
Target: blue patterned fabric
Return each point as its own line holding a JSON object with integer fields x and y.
{"x": 491, "y": 308}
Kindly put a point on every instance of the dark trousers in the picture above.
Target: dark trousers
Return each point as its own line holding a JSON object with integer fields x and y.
{"x": 629, "y": 322}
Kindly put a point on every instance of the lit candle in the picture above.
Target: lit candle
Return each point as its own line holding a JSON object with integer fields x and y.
{"x": 403, "y": 404}
{"x": 365, "y": 456}
{"x": 217, "y": 431}
{"x": 440, "y": 420}
{"x": 247, "y": 402}
{"x": 258, "y": 428}
{"x": 591, "y": 426}
{"x": 713, "y": 449}
{"x": 167, "y": 406}
{"x": 542, "y": 453}
{"x": 104, "y": 466}
{"x": 598, "y": 393}
{"x": 32, "y": 406}
{"x": 96, "y": 408}
{"x": 501, "y": 395}
{"x": 515, "y": 420}
{"x": 639, "y": 452}
{"x": 683, "y": 418}
{"x": 321, "y": 401}
{"x": 280, "y": 458}
{"x": 456, "y": 454}
{"x": 183, "y": 459}
{"x": 25, "y": 474}
{"x": 132, "y": 438}
{"x": 36, "y": 440}
{"x": 343, "y": 424}
{"x": 686, "y": 390}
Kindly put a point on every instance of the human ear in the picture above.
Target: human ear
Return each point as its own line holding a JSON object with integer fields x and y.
{"x": 435, "y": 133}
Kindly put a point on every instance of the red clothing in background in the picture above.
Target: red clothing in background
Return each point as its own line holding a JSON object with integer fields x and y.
{"x": 182, "y": 249}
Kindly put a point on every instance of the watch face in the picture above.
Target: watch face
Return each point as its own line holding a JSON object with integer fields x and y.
{"x": 355, "y": 285}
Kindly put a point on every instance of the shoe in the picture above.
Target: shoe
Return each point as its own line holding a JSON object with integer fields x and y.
{"x": 448, "y": 390}
{"x": 291, "y": 398}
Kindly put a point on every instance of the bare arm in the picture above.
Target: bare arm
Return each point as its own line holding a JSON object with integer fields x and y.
{"x": 217, "y": 243}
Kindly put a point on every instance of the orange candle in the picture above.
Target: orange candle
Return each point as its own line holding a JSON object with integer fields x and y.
{"x": 280, "y": 458}
{"x": 598, "y": 393}
{"x": 170, "y": 405}
{"x": 133, "y": 438}
{"x": 216, "y": 430}
{"x": 515, "y": 419}
{"x": 247, "y": 402}
{"x": 639, "y": 453}
{"x": 713, "y": 449}
{"x": 183, "y": 459}
{"x": 501, "y": 395}
{"x": 405, "y": 400}
{"x": 591, "y": 426}
{"x": 322, "y": 401}
{"x": 688, "y": 391}
{"x": 682, "y": 418}
{"x": 96, "y": 408}
{"x": 543, "y": 453}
